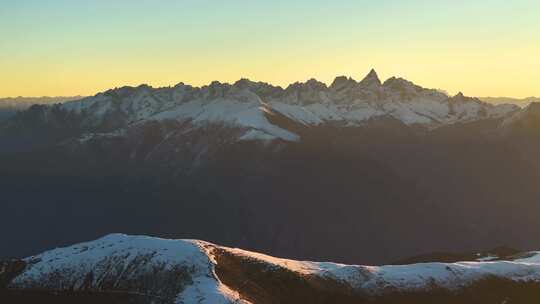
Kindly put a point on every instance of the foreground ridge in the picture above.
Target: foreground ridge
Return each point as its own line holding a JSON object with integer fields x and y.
{"x": 156, "y": 270}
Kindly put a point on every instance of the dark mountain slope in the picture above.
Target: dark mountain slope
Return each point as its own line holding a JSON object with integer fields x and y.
{"x": 357, "y": 172}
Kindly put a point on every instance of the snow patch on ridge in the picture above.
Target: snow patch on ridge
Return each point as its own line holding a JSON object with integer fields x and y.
{"x": 377, "y": 279}
{"x": 244, "y": 114}
{"x": 69, "y": 268}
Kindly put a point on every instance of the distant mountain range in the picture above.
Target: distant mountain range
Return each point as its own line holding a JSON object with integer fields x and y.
{"x": 244, "y": 105}
{"x": 9, "y": 106}
{"x": 365, "y": 171}
{"x": 137, "y": 269}
{"x": 522, "y": 102}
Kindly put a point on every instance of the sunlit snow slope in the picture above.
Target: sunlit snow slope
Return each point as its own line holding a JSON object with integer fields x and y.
{"x": 184, "y": 271}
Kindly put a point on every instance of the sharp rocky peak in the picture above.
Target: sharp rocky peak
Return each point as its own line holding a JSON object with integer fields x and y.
{"x": 372, "y": 78}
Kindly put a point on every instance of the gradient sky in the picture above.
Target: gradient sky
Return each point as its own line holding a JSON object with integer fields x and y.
{"x": 80, "y": 47}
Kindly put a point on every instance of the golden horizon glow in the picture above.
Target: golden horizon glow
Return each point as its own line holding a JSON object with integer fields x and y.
{"x": 67, "y": 48}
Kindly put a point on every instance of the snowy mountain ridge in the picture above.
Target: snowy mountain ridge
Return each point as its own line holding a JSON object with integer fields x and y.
{"x": 248, "y": 105}
{"x": 188, "y": 271}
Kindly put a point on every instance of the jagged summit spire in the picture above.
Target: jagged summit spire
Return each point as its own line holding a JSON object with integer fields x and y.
{"x": 372, "y": 73}
{"x": 371, "y": 78}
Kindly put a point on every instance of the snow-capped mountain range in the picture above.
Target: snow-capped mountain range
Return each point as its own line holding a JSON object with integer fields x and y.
{"x": 192, "y": 271}
{"x": 249, "y": 106}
